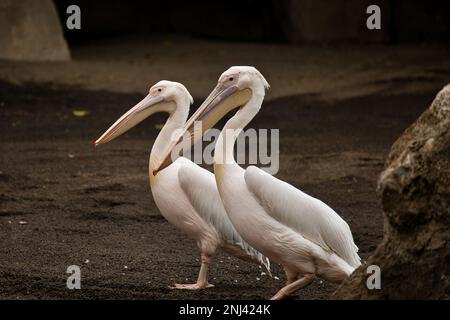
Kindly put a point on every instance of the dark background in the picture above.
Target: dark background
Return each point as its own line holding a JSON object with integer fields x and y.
{"x": 289, "y": 21}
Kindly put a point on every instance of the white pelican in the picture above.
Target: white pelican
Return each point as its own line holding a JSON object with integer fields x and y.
{"x": 300, "y": 232}
{"x": 179, "y": 190}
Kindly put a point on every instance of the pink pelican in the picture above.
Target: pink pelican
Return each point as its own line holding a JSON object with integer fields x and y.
{"x": 303, "y": 234}
{"x": 179, "y": 190}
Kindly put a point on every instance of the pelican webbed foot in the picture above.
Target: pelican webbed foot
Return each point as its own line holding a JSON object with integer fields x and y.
{"x": 194, "y": 286}
{"x": 202, "y": 281}
{"x": 293, "y": 287}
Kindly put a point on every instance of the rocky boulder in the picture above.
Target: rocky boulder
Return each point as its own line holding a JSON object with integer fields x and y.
{"x": 414, "y": 256}
{"x": 30, "y": 30}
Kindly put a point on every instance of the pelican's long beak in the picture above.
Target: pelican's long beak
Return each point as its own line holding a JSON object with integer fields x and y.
{"x": 219, "y": 102}
{"x": 146, "y": 107}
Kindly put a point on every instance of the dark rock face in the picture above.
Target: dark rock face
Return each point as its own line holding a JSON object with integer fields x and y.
{"x": 414, "y": 256}
{"x": 30, "y": 31}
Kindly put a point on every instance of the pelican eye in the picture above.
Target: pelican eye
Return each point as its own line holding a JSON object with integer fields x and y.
{"x": 231, "y": 79}
{"x": 159, "y": 89}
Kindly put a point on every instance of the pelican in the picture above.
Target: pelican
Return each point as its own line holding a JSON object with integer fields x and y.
{"x": 179, "y": 190}
{"x": 298, "y": 231}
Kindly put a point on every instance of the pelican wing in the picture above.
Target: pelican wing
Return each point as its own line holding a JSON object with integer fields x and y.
{"x": 200, "y": 187}
{"x": 310, "y": 217}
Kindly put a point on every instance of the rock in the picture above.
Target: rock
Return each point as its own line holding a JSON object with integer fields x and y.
{"x": 414, "y": 256}
{"x": 30, "y": 30}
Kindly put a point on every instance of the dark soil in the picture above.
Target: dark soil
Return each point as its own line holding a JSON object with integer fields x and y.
{"x": 63, "y": 203}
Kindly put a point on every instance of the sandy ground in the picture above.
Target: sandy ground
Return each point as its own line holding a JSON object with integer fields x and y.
{"x": 62, "y": 203}
{"x": 133, "y": 64}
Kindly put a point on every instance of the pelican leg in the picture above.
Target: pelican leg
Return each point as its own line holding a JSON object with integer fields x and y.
{"x": 291, "y": 276}
{"x": 293, "y": 287}
{"x": 202, "y": 280}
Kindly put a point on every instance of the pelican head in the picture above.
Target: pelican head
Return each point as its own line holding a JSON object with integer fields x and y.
{"x": 243, "y": 77}
{"x": 165, "y": 96}
{"x": 235, "y": 88}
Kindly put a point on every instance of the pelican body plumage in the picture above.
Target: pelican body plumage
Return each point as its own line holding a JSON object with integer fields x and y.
{"x": 296, "y": 230}
{"x": 179, "y": 189}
